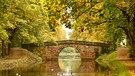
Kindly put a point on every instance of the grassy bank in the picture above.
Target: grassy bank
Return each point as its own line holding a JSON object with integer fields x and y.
{"x": 21, "y": 59}
{"x": 116, "y": 67}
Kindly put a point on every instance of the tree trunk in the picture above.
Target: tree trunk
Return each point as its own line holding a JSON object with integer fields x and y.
{"x": 131, "y": 37}
{"x": 11, "y": 38}
{"x": 133, "y": 41}
{"x": 9, "y": 46}
{"x": 133, "y": 50}
{"x": 3, "y": 49}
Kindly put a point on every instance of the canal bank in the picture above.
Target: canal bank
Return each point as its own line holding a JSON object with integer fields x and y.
{"x": 27, "y": 59}
{"x": 19, "y": 57}
{"x": 123, "y": 57}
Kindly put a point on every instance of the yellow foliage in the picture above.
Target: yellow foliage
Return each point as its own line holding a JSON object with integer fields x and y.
{"x": 98, "y": 34}
{"x": 82, "y": 36}
{"x": 60, "y": 33}
{"x": 98, "y": 6}
{"x": 124, "y": 4}
{"x": 83, "y": 17}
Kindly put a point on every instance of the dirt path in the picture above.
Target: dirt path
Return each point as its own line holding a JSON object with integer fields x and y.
{"x": 123, "y": 57}
{"x": 122, "y": 53}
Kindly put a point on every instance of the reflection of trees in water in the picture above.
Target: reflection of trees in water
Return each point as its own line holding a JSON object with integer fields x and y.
{"x": 50, "y": 65}
{"x": 69, "y": 59}
{"x": 85, "y": 67}
{"x": 72, "y": 66}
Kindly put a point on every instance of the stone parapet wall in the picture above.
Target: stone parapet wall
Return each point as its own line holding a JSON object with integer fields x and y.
{"x": 86, "y": 52}
{"x": 19, "y": 58}
{"x": 63, "y": 42}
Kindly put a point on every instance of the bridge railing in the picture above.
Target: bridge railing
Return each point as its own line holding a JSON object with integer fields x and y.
{"x": 76, "y": 42}
{"x": 104, "y": 46}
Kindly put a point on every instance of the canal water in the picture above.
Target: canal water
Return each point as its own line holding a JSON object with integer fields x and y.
{"x": 62, "y": 68}
{"x": 69, "y": 63}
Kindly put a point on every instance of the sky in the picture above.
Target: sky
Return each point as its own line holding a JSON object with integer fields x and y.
{"x": 68, "y": 31}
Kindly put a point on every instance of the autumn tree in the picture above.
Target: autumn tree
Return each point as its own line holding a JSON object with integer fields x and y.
{"x": 117, "y": 16}
{"x": 120, "y": 18}
{"x": 23, "y": 22}
{"x": 84, "y": 19}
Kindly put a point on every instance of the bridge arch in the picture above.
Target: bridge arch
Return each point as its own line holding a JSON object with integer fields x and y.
{"x": 68, "y": 58}
{"x": 88, "y": 50}
{"x": 72, "y": 46}
{"x": 69, "y": 51}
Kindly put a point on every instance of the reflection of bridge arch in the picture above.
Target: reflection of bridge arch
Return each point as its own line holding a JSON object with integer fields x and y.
{"x": 85, "y": 67}
{"x": 87, "y": 50}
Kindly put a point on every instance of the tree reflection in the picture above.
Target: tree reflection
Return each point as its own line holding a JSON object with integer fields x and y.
{"x": 69, "y": 60}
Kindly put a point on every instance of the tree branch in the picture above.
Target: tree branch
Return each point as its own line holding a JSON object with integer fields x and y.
{"x": 125, "y": 14}
{"x": 84, "y": 11}
{"x": 127, "y": 32}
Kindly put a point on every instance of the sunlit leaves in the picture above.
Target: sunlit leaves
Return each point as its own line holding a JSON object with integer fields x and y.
{"x": 10, "y": 25}
{"x": 113, "y": 13}
{"x": 33, "y": 18}
{"x": 98, "y": 34}
{"x": 3, "y": 35}
{"x": 60, "y": 33}
{"x": 24, "y": 20}
{"x": 85, "y": 14}
{"x": 120, "y": 20}
{"x": 81, "y": 33}
{"x": 98, "y": 6}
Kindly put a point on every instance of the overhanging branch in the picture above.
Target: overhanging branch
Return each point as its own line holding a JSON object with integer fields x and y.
{"x": 86, "y": 10}
{"x": 127, "y": 32}
{"x": 125, "y": 14}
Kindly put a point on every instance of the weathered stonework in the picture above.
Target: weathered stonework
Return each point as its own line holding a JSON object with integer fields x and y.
{"x": 88, "y": 50}
{"x": 51, "y": 50}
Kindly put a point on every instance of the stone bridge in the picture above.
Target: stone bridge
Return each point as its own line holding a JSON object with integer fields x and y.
{"x": 87, "y": 50}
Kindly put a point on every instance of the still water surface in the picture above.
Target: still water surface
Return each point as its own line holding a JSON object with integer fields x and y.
{"x": 52, "y": 68}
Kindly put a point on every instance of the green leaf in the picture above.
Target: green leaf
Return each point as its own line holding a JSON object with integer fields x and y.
{"x": 10, "y": 25}
{"x": 3, "y": 34}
